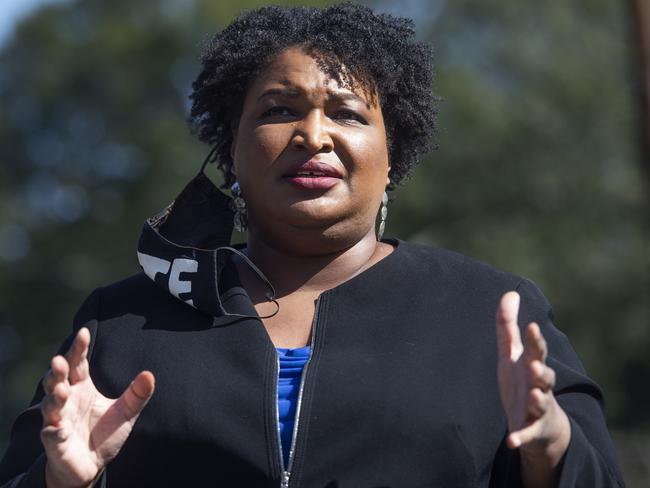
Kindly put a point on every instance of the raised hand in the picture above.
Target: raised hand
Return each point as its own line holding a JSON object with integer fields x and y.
{"x": 537, "y": 424}
{"x": 82, "y": 429}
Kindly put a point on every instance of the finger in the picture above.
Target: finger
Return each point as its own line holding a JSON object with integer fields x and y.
{"x": 535, "y": 343}
{"x": 136, "y": 396}
{"x": 77, "y": 355}
{"x": 508, "y": 337}
{"x": 541, "y": 376}
{"x": 52, "y": 405}
{"x": 51, "y": 435}
{"x": 51, "y": 379}
{"x": 538, "y": 403}
{"x": 57, "y": 373}
{"x": 524, "y": 436}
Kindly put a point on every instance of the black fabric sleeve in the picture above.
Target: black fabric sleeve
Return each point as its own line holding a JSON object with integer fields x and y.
{"x": 590, "y": 460}
{"x": 23, "y": 464}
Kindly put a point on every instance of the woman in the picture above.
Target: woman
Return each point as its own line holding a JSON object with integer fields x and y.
{"x": 319, "y": 355}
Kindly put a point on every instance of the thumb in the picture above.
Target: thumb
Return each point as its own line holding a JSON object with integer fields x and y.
{"x": 508, "y": 336}
{"x": 136, "y": 396}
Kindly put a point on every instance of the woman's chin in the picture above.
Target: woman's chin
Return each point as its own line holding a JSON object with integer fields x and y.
{"x": 307, "y": 220}
{"x": 315, "y": 212}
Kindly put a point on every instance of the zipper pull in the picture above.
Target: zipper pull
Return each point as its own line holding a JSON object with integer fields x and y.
{"x": 285, "y": 480}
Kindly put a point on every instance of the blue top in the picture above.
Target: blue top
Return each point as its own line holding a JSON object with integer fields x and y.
{"x": 292, "y": 362}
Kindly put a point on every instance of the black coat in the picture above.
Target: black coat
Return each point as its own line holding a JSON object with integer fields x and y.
{"x": 401, "y": 389}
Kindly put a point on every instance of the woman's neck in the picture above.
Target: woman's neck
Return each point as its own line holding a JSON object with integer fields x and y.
{"x": 314, "y": 272}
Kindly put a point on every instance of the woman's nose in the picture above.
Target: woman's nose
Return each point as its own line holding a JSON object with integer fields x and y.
{"x": 312, "y": 133}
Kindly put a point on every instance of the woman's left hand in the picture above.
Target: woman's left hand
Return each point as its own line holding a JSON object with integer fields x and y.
{"x": 537, "y": 424}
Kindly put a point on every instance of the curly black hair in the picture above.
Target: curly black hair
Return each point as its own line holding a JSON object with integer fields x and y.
{"x": 379, "y": 52}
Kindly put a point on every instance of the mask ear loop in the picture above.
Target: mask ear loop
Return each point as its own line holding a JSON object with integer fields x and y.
{"x": 208, "y": 159}
{"x": 270, "y": 296}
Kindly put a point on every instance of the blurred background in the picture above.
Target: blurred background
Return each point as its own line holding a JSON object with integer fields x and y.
{"x": 541, "y": 167}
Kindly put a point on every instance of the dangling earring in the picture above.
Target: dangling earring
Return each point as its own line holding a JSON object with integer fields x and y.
{"x": 384, "y": 214}
{"x": 241, "y": 216}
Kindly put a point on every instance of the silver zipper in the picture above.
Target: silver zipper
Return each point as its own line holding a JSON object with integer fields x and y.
{"x": 286, "y": 474}
{"x": 285, "y": 479}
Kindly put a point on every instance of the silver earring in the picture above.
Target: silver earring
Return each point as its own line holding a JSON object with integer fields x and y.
{"x": 239, "y": 206}
{"x": 384, "y": 214}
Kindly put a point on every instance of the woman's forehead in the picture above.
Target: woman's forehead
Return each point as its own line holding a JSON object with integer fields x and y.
{"x": 294, "y": 72}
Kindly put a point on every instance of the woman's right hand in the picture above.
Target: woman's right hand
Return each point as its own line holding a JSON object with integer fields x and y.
{"x": 82, "y": 429}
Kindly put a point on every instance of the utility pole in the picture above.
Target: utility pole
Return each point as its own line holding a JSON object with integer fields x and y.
{"x": 640, "y": 13}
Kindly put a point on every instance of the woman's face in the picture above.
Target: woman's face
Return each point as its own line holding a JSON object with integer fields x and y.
{"x": 309, "y": 154}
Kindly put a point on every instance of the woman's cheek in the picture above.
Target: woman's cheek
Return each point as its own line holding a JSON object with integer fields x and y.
{"x": 270, "y": 141}
{"x": 367, "y": 148}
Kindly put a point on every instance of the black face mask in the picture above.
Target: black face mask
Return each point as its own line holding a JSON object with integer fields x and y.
{"x": 180, "y": 247}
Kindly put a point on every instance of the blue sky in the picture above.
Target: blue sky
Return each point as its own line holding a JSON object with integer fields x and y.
{"x": 13, "y": 11}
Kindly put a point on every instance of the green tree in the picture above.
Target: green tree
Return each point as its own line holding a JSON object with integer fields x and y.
{"x": 539, "y": 172}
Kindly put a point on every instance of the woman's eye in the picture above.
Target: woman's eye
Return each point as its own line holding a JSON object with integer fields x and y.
{"x": 278, "y": 111}
{"x": 349, "y": 115}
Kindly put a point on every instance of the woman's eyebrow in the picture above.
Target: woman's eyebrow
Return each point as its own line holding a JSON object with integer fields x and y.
{"x": 341, "y": 96}
{"x": 345, "y": 96}
{"x": 286, "y": 92}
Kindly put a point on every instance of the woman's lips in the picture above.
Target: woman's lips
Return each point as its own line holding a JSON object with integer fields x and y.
{"x": 313, "y": 175}
{"x": 312, "y": 182}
